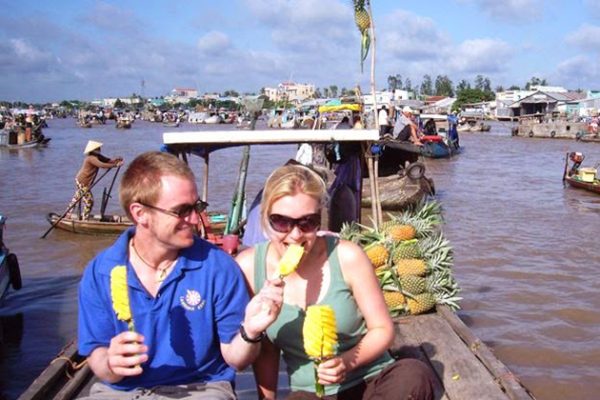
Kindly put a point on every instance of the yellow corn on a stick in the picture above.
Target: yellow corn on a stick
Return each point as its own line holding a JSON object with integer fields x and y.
{"x": 320, "y": 337}
{"x": 120, "y": 295}
{"x": 290, "y": 260}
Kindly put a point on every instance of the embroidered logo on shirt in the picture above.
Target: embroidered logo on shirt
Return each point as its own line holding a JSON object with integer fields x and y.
{"x": 192, "y": 301}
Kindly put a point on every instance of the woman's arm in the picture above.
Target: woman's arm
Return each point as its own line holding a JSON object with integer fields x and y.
{"x": 266, "y": 370}
{"x": 360, "y": 277}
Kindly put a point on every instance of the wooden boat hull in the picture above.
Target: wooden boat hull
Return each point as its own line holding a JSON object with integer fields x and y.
{"x": 465, "y": 368}
{"x": 593, "y": 187}
{"x": 110, "y": 225}
{"x": 396, "y": 193}
{"x": 115, "y": 224}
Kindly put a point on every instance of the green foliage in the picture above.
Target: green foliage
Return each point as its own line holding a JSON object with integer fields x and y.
{"x": 426, "y": 86}
{"x": 468, "y": 96}
{"x": 443, "y": 86}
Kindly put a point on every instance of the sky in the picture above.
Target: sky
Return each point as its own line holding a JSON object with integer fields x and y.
{"x": 87, "y": 49}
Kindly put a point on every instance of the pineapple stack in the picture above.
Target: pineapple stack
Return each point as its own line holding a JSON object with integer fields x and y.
{"x": 412, "y": 259}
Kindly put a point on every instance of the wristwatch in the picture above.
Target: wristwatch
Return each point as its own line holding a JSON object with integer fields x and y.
{"x": 249, "y": 339}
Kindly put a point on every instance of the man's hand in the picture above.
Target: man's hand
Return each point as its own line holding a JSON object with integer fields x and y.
{"x": 264, "y": 308}
{"x": 126, "y": 353}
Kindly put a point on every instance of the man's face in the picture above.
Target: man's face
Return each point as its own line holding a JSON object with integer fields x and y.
{"x": 175, "y": 232}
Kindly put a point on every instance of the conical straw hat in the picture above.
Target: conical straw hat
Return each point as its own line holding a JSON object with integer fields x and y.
{"x": 91, "y": 146}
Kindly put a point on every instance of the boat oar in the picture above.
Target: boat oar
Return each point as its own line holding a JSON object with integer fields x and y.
{"x": 566, "y": 167}
{"x": 73, "y": 205}
{"x": 106, "y": 196}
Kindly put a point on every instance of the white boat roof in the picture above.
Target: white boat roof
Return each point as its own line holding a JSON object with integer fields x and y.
{"x": 270, "y": 136}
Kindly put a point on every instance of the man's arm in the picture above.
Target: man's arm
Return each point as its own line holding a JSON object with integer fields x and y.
{"x": 262, "y": 311}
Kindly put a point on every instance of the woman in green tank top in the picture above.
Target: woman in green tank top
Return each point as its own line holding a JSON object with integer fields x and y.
{"x": 331, "y": 272}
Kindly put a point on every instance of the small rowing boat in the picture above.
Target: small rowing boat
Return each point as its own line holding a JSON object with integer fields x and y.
{"x": 580, "y": 177}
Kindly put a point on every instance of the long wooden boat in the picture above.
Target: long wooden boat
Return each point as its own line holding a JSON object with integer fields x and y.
{"x": 115, "y": 224}
{"x": 576, "y": 182}
{"x": 95, "y": 225}
{"x": 464, "y": 366}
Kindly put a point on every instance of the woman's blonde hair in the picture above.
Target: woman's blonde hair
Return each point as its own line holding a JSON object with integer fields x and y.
{"x": 289, "y": 180}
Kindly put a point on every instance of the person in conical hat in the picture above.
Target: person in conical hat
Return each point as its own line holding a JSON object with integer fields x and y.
{"x": 92, "y": 162}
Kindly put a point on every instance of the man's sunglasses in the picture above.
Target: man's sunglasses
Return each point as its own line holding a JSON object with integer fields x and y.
{"x": 307, "y": 224}
{"x": 184, "y": 211}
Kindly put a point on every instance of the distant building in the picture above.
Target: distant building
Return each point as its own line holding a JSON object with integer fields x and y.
{"x": 181, "y": 95}
{"x": 293, "y": 92}
{"x": 110, "y": 102}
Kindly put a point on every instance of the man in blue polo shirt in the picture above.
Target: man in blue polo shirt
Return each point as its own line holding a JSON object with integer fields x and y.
{"x": 192, "y": 323}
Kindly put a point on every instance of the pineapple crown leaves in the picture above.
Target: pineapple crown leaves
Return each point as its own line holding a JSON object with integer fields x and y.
{"x": 351, "y": 231}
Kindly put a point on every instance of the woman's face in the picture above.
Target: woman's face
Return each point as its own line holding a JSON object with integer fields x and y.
{"x": 300, "y": 211}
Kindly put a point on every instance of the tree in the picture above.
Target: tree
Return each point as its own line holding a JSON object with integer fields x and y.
{"x": 231, "y": 93}
{"x": 462, "y": 85}
{"x": 392, "y": 82}
{"x": 535, "y": 81}
{"x": 468, "y": 96}
{"x": 398, "y": 81}
{"x": 119, "y": 104}
{"x": 514, "y": 87}
{"x": 317, "y": 94}
{"x": 326, "y": 92}
{"x": 333, "y": 90}
{"x": 426, "y": 86}
{"x": 443, "y": 86}
{"x": 499, "y": 88}
{"x": 408, "y": 85}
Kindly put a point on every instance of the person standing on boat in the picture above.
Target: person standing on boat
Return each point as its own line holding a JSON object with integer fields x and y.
{"x": 331, "y": 272}
{"x": 192, "y": 324}
{"x": 92, "y": 162}
{"x": 384, "y": 121}
{"x": 405, "y": 128}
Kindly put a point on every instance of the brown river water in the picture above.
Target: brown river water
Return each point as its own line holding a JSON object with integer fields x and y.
{"x": 527, "y": 250}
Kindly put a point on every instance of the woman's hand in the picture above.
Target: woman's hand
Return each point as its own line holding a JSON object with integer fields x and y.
{"x": 332, "y": 371}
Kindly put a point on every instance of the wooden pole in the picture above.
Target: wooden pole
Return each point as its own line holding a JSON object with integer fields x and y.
{"x": 374, "y": 164}
{"x": 205, "y": 179}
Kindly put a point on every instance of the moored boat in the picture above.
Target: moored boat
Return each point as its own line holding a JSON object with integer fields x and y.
{"x": 10, "y": 274}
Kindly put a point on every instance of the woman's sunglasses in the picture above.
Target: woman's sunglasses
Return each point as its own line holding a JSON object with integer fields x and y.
{"x": 307, "y": 224}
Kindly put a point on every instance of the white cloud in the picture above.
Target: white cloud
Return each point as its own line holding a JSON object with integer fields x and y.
{"x": 587, "y": 37}
{"x": 571, "y": 72}
{"x": 481, "y": 56}
{"x": 214, "y": 43}
{"x": 511, "y": 11}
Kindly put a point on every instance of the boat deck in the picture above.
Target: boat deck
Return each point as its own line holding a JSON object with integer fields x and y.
{"x": 465, "y": 367}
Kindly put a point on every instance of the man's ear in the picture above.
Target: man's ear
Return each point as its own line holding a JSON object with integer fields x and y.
{"x": 139, "y": 214}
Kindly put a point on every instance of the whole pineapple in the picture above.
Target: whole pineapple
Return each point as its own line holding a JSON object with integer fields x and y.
{"x": 413, "y": 284}
{"x": 406, "y": 249}
{"x": 361, "y": 16}
{"x": 394, "y": 299}
{"x": 420, "y": 303}
{"x": 411, "y": 266}
{"x": 377, "y": 253}
{"x": 397, "y": 231}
